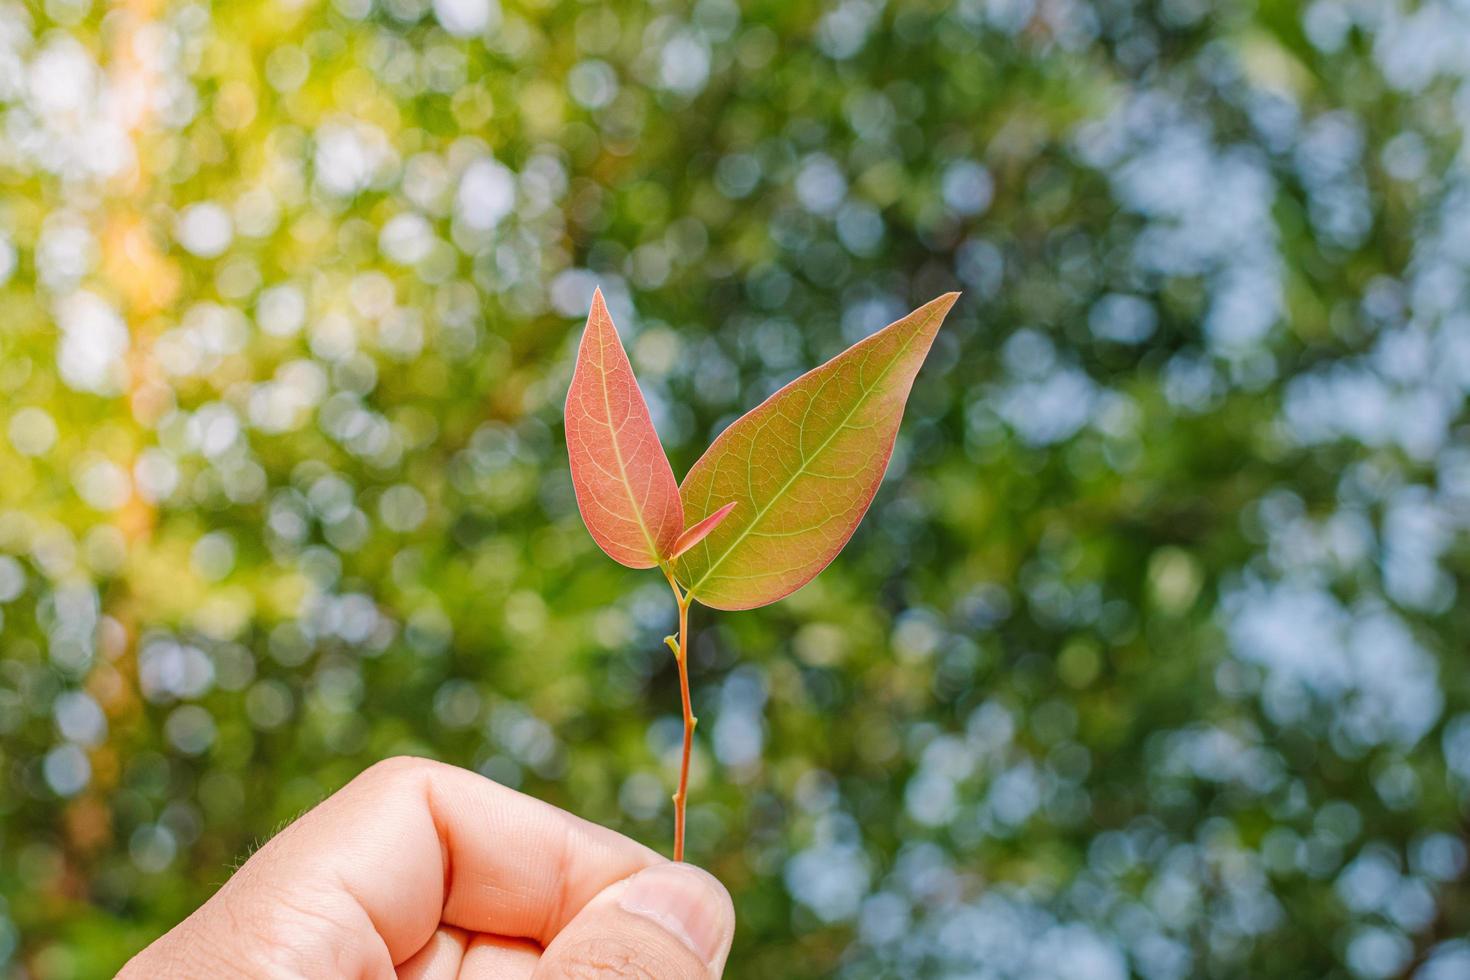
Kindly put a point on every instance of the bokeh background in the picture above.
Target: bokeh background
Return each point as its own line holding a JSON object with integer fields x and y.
{"x": 1150, "y": 659}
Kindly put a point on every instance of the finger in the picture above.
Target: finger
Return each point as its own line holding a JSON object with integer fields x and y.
{"x": 415, "y": 842}
{"x": 440, "y": 957}
{"x": 362, "y": 881}
{"x": 668, "y": 922}
{"x": 499, "y": 958}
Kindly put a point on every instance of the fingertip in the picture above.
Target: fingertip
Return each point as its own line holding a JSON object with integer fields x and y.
{"x": 666, "y": 922}
{"x": 689, "y": 903}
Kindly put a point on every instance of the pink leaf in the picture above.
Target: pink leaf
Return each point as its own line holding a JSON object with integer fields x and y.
{"x": 625, "y": 487}
{"x": 696, "y": 533}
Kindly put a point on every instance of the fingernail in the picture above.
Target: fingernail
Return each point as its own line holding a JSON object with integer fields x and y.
{"x": 687, "y": 902}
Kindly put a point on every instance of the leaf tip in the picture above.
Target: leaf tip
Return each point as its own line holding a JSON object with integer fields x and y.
{"x": 598, "y": 316}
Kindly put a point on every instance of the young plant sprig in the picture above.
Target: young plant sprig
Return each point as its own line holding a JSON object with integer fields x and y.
{"x": 775, "y": 497}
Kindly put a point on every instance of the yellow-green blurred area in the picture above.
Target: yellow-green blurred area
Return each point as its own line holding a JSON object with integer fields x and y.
{"x": 1150, "y": 659}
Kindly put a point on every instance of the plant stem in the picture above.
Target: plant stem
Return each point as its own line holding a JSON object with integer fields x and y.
{"x": 681, "y": 656}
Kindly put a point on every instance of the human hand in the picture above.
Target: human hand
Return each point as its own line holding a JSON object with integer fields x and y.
{"x": 434, "y": 872}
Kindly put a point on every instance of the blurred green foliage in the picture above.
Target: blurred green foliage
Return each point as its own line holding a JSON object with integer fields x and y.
{"x": 1149, "y": 659}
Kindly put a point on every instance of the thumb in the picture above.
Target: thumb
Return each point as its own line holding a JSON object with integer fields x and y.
{"x": 667, "y": 922}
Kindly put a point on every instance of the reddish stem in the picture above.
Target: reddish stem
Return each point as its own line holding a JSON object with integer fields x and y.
{"x": 681, "y": 656}
{"x": 689, "y": 722}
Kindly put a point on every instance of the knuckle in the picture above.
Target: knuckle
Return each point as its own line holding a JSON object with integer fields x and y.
{"x": 398, "y": 769}
{"x": 401, "y": 764}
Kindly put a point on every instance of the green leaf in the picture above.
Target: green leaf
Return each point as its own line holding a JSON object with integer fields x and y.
{"x": 625, "y": 487}
{"x": 803, "y": 467}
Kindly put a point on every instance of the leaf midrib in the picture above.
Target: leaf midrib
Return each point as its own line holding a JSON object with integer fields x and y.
{"x": 618, "y": 451}
{"x": 800, "y": 470}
